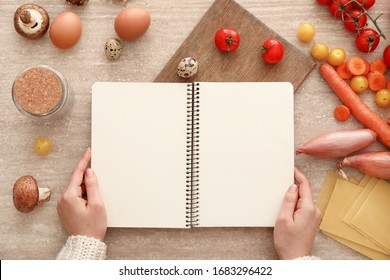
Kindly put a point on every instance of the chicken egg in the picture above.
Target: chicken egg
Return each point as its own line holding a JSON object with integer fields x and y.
{"x": 131, "y": 23}
{"x": 65, "y": 31}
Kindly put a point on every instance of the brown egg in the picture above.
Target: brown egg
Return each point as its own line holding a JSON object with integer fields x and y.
{"x": 132, "y": 23}
{"x": 65, "y": 31}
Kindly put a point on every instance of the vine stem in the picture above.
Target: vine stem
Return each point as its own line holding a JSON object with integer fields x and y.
{"x": 374, "y": 21}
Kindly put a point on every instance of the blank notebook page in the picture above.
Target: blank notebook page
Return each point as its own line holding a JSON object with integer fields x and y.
{"x": 246, "y": 152}
{"x": 139, "y": 152}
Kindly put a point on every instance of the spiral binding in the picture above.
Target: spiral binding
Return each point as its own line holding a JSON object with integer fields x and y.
{"x": 192, "y": 164}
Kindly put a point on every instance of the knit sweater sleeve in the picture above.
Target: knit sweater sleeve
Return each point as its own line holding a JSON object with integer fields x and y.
{"x": 305, "y": 258}
{"x": 82, "y": 248}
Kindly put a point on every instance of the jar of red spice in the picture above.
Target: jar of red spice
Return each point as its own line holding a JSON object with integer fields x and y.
{"x": 41, "y": 92}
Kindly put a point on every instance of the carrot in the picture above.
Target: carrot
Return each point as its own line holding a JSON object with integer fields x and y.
{"x": 357, "y": 107}
{"x": 367, "y": 67}
{"x": 356, "y": 65}
{"x": 343, "y": 71}
{"x": 376, "y": 80}
{"x": 378, "y": 65}
{"x": 342, "y": 113}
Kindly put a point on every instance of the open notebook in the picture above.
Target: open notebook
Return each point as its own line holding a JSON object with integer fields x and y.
{"x": 179, "y": 155}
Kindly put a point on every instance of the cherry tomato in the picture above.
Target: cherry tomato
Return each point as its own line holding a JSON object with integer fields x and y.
{"x": 272, "y": 51}
{"x": 323, "y": 2}
{"x": 227, "y": 39}
{"x": 359, "y": 84}
{"x": 354, "y": 20}
{"x": 306, "y": 32}
{"x": 319, "y": 51}
{"x": 338, "y": 7}
{"x": 386, "y": 56}
{"x": 382, "y": 98}
{"x": 367, "y": 40}
{"x": 336, "y": 56}
{"x": 43, "y": 146}
{"x": 366, "y": 4}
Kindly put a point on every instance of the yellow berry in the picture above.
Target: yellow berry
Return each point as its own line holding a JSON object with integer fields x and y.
{"x": 43, "y": 146}
{"x": 319, "y": 51}
{"x": 306, "y": 32}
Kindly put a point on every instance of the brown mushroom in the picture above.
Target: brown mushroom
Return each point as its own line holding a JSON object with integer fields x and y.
{"x": 27, "y": 195}
{"x": 31, "y": 21}
{"x": 77, "y": 2}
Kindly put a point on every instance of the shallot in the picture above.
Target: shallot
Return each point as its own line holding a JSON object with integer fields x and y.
{"x": 375, "y": 164}
{"x": 338, "y": 143}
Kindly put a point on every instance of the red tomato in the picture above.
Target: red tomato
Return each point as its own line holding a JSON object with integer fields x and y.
{"x": 227, "y": 39}
{"x": 323, "y": 2}
{"x": 272, "y": 51}
{"x": 354, "y": 20}
{"x": 366, "y": 4}
{"x": 386, "y": 56}
{"x": 338, "y": 7}
{"x": 367, "y": 40}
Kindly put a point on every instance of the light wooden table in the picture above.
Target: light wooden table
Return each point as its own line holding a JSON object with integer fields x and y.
{"x": 39, "y": 235}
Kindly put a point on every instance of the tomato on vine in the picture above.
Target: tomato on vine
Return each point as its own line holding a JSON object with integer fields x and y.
{"x": 386, "y": 56}
{"x": 355, "y": 20}
{"x": 367, "y": 40}
{"x": 337, "y": 8}
{"x": 272, "y": 51}
{"x": 323, "y": 2}
{"x": 366, "y": 4}
{"x": 227, "y": 39}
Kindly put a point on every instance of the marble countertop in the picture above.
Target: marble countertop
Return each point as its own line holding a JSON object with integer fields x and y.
{"x": 39, "y": 234}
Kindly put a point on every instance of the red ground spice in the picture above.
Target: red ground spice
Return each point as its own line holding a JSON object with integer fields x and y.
{"x": 37, "y": 90}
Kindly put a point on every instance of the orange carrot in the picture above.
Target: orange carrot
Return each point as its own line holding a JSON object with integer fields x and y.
{"x": 356, "y": 65}
{"x": 367, "y": 68}
{"x": 357, "y": 107}
{"x": 378, "y": 65}
{"x": 343, "y": 71}
{"x": 342, "y": 113}
{"x": 376, "y": 80}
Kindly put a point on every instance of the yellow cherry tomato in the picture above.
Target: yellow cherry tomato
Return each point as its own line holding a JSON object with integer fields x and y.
{"x": 336, "y": 56}
{"x": 382, "y": 98}
{"x": 43, "y": 146}
{"x": 306, "y": 32}
{"x": 319, "y": 51}
{"x": 359, "y": 84}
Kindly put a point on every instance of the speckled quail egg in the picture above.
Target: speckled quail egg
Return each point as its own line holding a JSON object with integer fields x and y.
{"x": 187, "y": 67}
{"x": 113, "y": 48}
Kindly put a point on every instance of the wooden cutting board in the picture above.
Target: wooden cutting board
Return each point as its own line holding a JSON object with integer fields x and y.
{"x": 243, "y": 65}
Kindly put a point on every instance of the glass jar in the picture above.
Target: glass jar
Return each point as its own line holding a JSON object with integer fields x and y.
{"x": 42, "y": 92}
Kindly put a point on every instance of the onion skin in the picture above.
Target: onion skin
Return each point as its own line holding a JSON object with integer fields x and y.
{"x": 338, "y": 143}
{"x": 375, "y": 164}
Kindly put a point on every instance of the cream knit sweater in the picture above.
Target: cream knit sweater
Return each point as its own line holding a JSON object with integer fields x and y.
{"x": 88, "y": 248}
{"x": 82, "y": 248}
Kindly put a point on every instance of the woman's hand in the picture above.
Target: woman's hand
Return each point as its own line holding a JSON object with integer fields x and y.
{"x": 80, "y": 207}
{"x": 298, "y": 221}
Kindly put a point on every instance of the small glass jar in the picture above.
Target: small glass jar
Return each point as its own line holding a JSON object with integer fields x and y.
{"x": 42, "y": 92}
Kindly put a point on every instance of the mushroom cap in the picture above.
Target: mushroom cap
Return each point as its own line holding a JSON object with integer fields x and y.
{"x": 25, "y": 194}
{"x": 37, "y": 30}
{"x": 77, "y": 2}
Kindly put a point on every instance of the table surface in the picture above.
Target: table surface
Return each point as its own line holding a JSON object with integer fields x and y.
{"x": 39, "y": 234}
